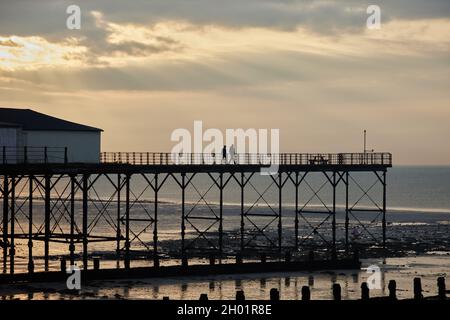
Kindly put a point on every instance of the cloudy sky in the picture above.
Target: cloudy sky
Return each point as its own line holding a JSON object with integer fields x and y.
{"x": 140, "y": 69}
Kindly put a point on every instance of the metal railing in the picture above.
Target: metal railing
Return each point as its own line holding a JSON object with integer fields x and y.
{"x": 165, "y": 158}
{"x": 21, "y": 155}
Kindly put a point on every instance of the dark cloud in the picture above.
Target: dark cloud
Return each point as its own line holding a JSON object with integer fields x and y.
{"x": 27, "y": 17}
{"x": 47, "y": 18}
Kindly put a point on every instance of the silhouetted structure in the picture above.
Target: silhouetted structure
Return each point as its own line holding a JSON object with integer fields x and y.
{"x": 392, "y": 287}
{"x": 274, "y": 294}
{"x": 364, "y": 291}
{"x": 69, "y": 193}
{"x": 306, "y": 293}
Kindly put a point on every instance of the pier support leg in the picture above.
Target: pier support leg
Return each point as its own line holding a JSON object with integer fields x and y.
{"x": 118, "y": 233}
{"x": 347, "y": 220}
{"x": 12, "y": 250}
{"x": 183, "y": 213}
{"x": 334, "y": 252}
{"x": 5, "y": 222}
{"x": 85, "y": 221}
{"x": 47, "y": 187}
{"x": 155, "y": 225}
{"x": 127, "y": 221}
{"x": 242, "y": 185}
{"x": 72, "y": 220}
{"x": 280, "y": 206}
{"x": 384, "y": 210}
{"x": 30, "y": 225}
{"x": 221, "y": 186}
{"x": 296, "y": 209}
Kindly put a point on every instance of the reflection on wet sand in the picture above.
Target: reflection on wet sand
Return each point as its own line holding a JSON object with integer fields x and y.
{"x": 255, "y": 286}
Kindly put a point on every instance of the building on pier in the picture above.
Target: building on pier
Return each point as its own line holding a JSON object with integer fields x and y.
{"x": 30, "y": 136}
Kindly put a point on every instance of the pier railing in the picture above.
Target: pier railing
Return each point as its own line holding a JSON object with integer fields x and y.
{"x": 165, "y": 158}
{"x": 19, "y": 155}
{"x": 28, "y": 154}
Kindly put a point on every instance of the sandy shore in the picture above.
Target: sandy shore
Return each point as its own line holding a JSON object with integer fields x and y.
{"x": 256, "y": 286}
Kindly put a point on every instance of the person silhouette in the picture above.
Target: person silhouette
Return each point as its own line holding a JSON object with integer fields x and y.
{"x": 232, "y": 154}
{"x": 224, "y": 154}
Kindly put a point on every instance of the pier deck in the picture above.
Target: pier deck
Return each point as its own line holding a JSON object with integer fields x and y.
{"x": 69, "y": 193}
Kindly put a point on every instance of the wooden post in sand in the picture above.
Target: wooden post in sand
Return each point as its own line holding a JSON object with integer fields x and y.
{"x": 441, "y": 288}
{"x": 306, "y": 293}
{"x": 274, "y": 294}
{"x": 392, "y": 286}
{"x": 417, "y": 289}
{"x": 364, "y": 291}
{"x": 240, "y": 296}
{"x": 337, "y": 291}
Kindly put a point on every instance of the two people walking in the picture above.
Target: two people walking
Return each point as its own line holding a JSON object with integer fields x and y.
{"x": 231, "y": 157}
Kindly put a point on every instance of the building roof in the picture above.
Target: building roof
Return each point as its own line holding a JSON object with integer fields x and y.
{"x": 32, "y": 120}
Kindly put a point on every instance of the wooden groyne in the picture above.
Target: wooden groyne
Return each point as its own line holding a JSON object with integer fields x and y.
{"x": 441, "y": 295}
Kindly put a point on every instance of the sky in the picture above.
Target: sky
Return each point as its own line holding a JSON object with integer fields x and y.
{"x": 311, "y": 68}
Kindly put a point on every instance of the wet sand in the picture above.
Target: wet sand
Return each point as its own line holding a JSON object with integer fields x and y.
{"x": 255, "y": 286}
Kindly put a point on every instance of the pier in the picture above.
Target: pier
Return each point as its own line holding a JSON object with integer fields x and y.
{"x": 73, "y": 210}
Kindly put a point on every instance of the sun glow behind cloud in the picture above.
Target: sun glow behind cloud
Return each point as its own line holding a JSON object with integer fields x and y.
{"x": 36, "y": 52}
{"x": 165, "y": 41}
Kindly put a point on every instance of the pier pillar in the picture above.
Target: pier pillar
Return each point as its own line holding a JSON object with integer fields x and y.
{"x": 183, "y": 213}
{"x": 184, "y": 261}
{"x": 280, "y": 206}
{"x": 263, "y": 258}
{"x": 85, "y": 220}
{"x": 96, "y": 263}
{"x": 12, "y": 250}
{"x": 118, "y": 233}
{"x": 287, "y": 256}
{"x": 5, "y": 221}
{"x": 155, "y": 224}
{"x": 127, "y": 221}
{"x": 238, "y": 258}
{"x": 384, "y": 210}
{"x": 242, "y": 185}
{"x": 47, "y": 210}
{"x": 72, "y": 220}
{"x": 296, "y": 184}
{"x": 334, "y": 251}
{"x": 63, "y": 265}
{"x": 30, "y": 225}
{"x": 347, "y": 218}
{"x": 221, "y": 187}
